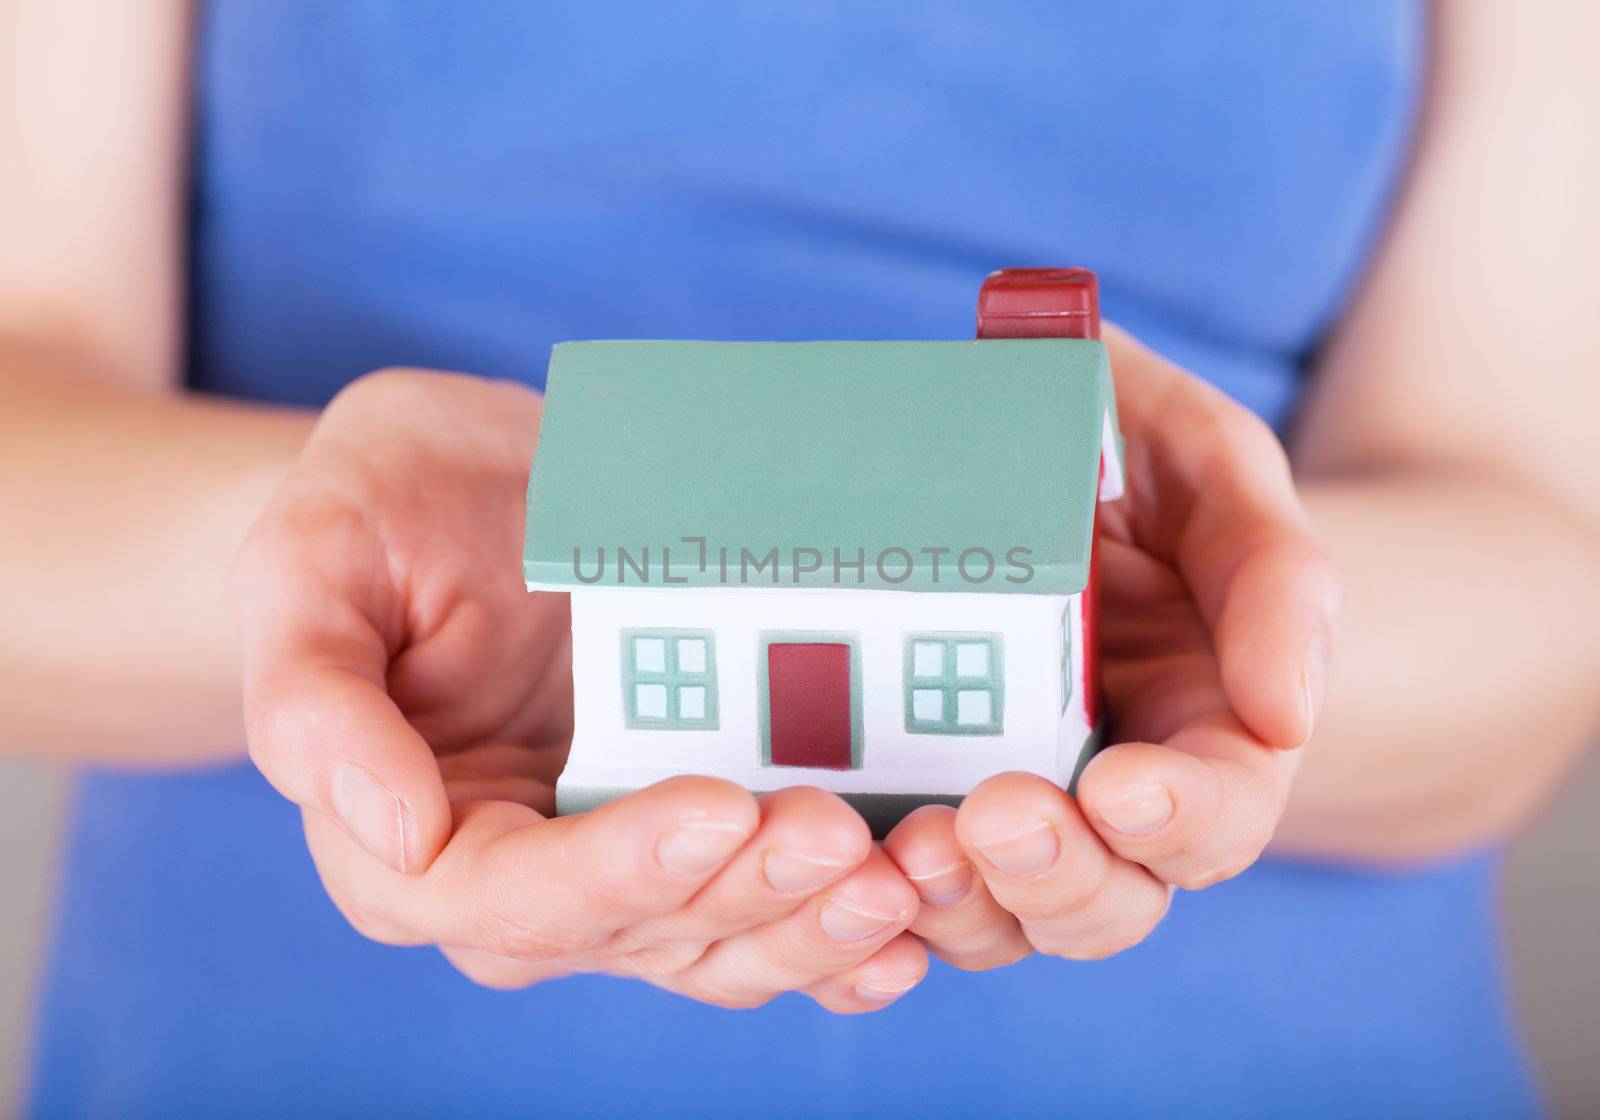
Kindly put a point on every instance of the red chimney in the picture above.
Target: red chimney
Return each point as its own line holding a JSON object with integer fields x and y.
{"x": 1039, "y": 303}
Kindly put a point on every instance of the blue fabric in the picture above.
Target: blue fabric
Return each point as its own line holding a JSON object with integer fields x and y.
{"x": 461, "y": 185}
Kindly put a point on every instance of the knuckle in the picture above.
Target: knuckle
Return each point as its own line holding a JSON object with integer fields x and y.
{"x": 704, "y": 989}
{"x": 658, "y": 961}
{"x": 607, "y": 894}
{"x": 602, "y": 891}
{"x": 1080, "y": 887}
{"x": 1313, "y": 571}
{"x": 981, "y": 959}
{"x": 626, "y": 942}
{"x": 379, "y": 382}
{"x": 375, "y": 927}
{"x": 1116, "y": 930}
{"x": 358, "y": 903}
{"x": 1097, "y": 945}
{"x": 1102, "y": 948}
{"x": 272, "y": 727}
{"x": 1198, "y": 879}
{"x": 402, "y": 389}
{"x": 507, "y": 934}
{"x": 499, "y": 977}
{"x": 494, "y": 981}
{"x": 826, "y": 816}
{"x": 789, "y": 952}
{"x": 1143, "y": 919}
{"x": 745, "y": 1002}
{"x": 1252, "y": 440}
{"x": 1198, "y": 873}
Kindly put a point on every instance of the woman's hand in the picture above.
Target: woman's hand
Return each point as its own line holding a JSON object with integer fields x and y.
{"x": 406, "y": 691}
{"x": 1216, "y": 623}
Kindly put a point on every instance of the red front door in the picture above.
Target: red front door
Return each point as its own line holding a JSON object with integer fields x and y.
{"x": 808, "y": 704}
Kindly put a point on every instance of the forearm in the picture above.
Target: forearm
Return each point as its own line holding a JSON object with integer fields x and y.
{"x": 121, "y": 512}
{"x": 1465, "y": 682}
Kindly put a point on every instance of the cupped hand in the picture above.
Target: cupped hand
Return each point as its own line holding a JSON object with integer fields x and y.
{"x": 1217, "y": 615}
{"x": 406, "y": 691}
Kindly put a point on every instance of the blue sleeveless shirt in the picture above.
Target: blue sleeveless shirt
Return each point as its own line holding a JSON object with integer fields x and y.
{"x": 461, "y": 185}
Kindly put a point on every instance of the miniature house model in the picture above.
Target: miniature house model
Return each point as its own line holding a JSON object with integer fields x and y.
{"x": 865, "y": 566}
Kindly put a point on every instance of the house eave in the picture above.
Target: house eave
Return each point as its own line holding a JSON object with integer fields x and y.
{"x": 1053, "y": 579}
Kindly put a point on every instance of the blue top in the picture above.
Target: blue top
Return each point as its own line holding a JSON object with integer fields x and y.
{"x": 461, "y": 185}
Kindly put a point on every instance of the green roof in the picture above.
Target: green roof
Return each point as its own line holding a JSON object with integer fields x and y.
{"x": 776, "y": 454}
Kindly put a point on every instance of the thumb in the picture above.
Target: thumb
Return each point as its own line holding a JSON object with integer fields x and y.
{"x": 324, "y": 731}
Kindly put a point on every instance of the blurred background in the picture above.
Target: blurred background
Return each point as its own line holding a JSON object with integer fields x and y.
{"x": 1552, "y": 901}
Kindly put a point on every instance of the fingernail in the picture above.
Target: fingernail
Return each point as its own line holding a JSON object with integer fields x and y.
{"x": 695, "y": 847}
{"x": 371, "y": 813}
{"x": 789, "y": 870}
{"x": 882, "y": 991}
{"x": 1139, "y": 812}
{"x": 849, "y": 921}
{"x": 1023, "y": 853}
{"x": 946, "y": 885}
{"x": 1314, "y": 681}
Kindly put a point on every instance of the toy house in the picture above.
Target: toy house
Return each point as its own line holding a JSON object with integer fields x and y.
{"x": 866, "y": 566}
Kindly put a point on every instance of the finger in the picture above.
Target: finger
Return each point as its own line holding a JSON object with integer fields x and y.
{"x": 958, "y": 918}
{"x": 1214, "y": 494}
{"x": 834, "y": 931}
{"x": 512, "y": 883}
{"x": 808, "y": 839}
{"x": 1043, "y": 863}
{"x": 504, "y": 974}
{"x": 1194, "y": 811}
{"x": 324, "y": 732}
{"x": 877, "y": 982}
{"x": 1273, "y": 635}
{"x": 318, "y": 718}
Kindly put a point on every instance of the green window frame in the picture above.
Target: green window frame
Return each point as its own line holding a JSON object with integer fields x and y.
{"x": 954, "y": 683}
{"x": 1066, "y": 657}
{"x": 669, "y": 679}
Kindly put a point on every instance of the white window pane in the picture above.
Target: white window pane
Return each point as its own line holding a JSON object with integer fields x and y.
{"x": 927, "y": 704}
{"x": 650, "y": 701}
{"x": 692, "y": 703}
{"x": 691, "y": 655}
{"x": 972, "y": 659}
{"x": 974, "y": 707}
{"x": 650, "y": 655}
{"x": 927, "y": 659}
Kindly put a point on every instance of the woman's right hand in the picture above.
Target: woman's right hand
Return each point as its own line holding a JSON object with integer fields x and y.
{"x": 406, "y": 691}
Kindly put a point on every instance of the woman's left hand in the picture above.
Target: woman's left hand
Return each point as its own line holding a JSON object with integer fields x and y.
{"x": 1217, "y": 615}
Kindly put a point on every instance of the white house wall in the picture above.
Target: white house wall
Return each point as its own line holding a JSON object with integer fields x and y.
{"x": 606, "y": 752}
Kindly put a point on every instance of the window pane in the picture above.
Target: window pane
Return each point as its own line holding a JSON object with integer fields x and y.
{"x": 692, "y": 703}
{"x": 972, "y": 659}
{"x": 927, "y": 704}
{"x": 650, "y": 655}
{"x": 691, "y": 655}
{"x": 974, "y": 707}
{"x": 650, "y": 701}
{"x": 927, "y": 659}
